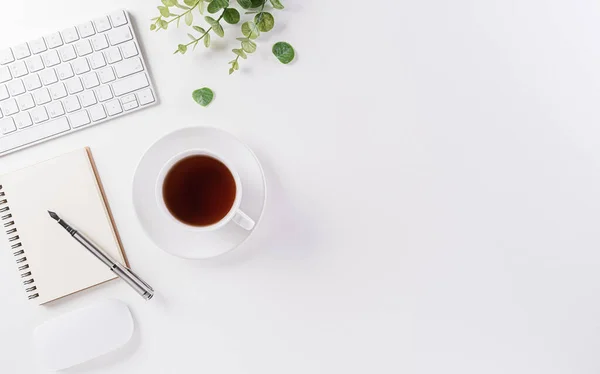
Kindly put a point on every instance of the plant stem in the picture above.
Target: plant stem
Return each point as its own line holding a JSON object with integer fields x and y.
{"x": 178, "y": 16}
{"x": 206, "y": 32}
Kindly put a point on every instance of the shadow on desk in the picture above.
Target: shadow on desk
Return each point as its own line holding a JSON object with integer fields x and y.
{"x": 285, "y": 231}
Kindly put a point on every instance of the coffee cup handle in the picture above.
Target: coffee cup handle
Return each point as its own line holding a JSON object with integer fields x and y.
{"x": 243, "y": 220}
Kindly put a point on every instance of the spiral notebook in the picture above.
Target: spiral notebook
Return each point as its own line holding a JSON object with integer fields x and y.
{"x": 49, "y": 262}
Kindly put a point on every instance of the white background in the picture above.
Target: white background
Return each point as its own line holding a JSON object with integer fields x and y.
{"x": 434, "y": 176}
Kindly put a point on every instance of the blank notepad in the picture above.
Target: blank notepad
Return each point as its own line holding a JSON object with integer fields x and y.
{"x": 51, "y": 264}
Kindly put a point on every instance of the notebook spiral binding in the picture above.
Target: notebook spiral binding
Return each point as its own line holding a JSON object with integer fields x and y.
{"x": 15, "y": 245}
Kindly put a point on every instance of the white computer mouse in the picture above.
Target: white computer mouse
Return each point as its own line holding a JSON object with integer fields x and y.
{"x": 82, "y": 335}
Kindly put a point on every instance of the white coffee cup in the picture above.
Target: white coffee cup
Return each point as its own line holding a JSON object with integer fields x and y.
{"x": 234, "y": 214}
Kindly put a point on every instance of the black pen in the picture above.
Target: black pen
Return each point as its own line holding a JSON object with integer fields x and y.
{"x": 123, "y": 272}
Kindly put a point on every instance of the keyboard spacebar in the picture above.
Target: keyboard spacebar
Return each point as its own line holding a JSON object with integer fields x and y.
{"x": 32, "y": 134}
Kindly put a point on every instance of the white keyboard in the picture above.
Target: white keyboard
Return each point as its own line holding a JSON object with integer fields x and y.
{"x": 69, "y": 80}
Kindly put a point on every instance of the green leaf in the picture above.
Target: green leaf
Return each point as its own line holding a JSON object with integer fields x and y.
{"x": 164, "y": 11}
{"x": 184, "y": 7}
{"x": 182, "y": 48}
{"x": 203, "y": 96}
{"x": 195, "y": 45}
{"x": 216, "y": 5}
{"x": 168, "y": 3}
{"x": 231, "y": 16}
{"x": 242, "y": 39}
{"x": 163, "y": 24}
{"x": 231, "y": 70}
{"x": 250, "y": 30}
{"x": 190, "y": 2}
{"x": 240, "y": 52}
{"x": 265, "y": 21}
{"x": 257, "y": 3}
{"x": 245, "y": 3}
{"x": 218, "y": 29}
{"x": 201, "y": 7}
{"x": 276, "y": 4}
{"x": 235, "y": 65}
{"x": 248, "y": 46}
{"x": 199, "y": 29}
{"x": 152, "y": 27}
{"x": 284, "y": 52}
{"x": 189, "y": 18}
{"x": 207, "y": 40}
{"x": 211, "y": 21}
{"x": 192, "y": 37}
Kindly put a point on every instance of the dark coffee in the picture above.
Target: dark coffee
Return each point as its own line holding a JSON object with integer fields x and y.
{"x": 199, "y": 190}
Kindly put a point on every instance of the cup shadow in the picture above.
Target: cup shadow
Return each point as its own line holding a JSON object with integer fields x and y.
{"x": 285, "y": 231}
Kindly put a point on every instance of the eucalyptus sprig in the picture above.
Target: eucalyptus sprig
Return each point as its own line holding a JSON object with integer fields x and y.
{"x": 263, "y": 21}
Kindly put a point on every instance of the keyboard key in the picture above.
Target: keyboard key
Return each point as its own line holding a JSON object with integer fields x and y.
{"x": 118, "y": 18}
{"x": 86, "y": 29}
{"x": 34, "y": 63}
{"x": 97, "y": 60}
{"x": 129, "y": 49}
{"x": 79, "y": 119}
{"x": 57, "y": 91}
{"x": 70, "y": 35}
{"x": 81, "y": 66}
{"x": 145, "y": 96}
{"x": 51, "y": 58}
{"x": 71, "y": 104}
{"x": 87, "y": 98}
{"x": 113, "y": 107}
{"x": 33, "y": 134}
{"x": 106, "y": 75}
{"x": 128, "y": 67}
{"x": 39, "y": 114}
{"x": 104, "y": 93}
{"x": 48, "y": 76}
{"x": 25, "y": 102}
{"x": 32, "y": 82}
{"x": 113, "y": 55}
{"x": 16, "y": 87}
{"x": 21, "y": 51}
{"x": 102, "y": 24}
{"x": 9, "y": 107}
{"x": 97, "y": 112}
{"x": 4, "y": 74}
{"x": 55, "y": 109}
{"x": 130, "y": 84}
{"x": 99, "y": 42}
{"x": 119, "y": 35}
{"x": 53, "y": 40}
{"x": 74, "y": 85}
{"x": 6, "y": 56}
{"x": 18, "y": 69}
{"x": 4, "y": 92}
{"x": 37, "y": 46}
{"x": 41, "y": 96}
{"x": 67, "y": 53}
{"x": 64, "y": 71}
{"x": 7, "y": 126}
{"x": 83, "y": 47}
{"x": 90, "y": 80}
{"x": 129, "y": 102}
{"x": 23, "y": 120}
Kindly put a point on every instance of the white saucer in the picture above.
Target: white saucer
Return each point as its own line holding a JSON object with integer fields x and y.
{"x": 163, "y": 230}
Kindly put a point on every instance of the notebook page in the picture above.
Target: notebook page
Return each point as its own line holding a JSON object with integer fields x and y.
{"x": 68, "y": 186}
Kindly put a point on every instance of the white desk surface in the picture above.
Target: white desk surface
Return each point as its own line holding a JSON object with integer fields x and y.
{"x": 434, "y": 175}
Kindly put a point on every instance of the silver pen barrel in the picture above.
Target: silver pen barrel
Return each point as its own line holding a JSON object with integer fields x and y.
{"x": 131, "y": 278}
